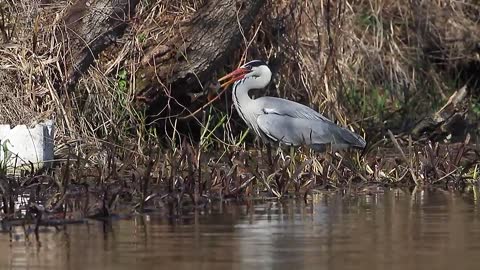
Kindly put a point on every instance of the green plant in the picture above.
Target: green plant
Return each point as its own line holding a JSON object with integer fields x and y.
{"x": 368, "y": 19}
{"x": 475, "y": 107}
{"x": 141, "y": 37}
{"x": 122, "y": 78}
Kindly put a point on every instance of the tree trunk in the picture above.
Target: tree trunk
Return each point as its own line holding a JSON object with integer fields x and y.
{"x": 188, "y": 63}
{"x": 89, "y": 27}
{"x": 181, "y": 66}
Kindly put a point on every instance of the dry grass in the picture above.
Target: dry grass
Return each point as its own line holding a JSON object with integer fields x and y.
{"x": 373, "y": 65}
{"x": 371, "y": 58}
{"x": 374, "y": 58}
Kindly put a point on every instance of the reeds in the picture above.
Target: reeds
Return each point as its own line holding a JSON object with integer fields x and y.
{"x": 366, "y": 64}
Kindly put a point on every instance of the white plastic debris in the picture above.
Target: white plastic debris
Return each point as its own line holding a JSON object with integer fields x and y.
{"x": 21, "y": 146}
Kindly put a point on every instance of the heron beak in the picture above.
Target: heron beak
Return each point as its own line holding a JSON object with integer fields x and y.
{"x": 234, "y": 76}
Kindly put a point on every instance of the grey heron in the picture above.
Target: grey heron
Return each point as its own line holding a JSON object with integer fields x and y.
{"x": 284, "y": 121}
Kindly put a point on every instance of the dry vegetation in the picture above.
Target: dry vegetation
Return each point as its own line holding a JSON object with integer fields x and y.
{"x": 373, "y": 65}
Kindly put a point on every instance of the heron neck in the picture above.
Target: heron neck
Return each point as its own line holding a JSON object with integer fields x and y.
{"x": 240, "y": 94}
{"x": 241, "y": 88}
{"x": 241, "y": 99}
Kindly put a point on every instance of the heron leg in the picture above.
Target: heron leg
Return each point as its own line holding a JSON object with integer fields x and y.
{"x": 269, "y": 156}
{"x": 292, "y": 159}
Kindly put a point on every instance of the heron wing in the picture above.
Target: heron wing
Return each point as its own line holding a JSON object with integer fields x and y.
{"x": 314, "y": 133}
{"x": 273, "y": 105}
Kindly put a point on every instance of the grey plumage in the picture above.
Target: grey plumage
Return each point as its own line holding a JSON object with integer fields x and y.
{"x": 283, "y": 121}
{"x": 290, "y": 123}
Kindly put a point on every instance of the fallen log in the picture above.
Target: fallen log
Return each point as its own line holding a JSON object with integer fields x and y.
{"x": 449, "y": 120}
{"x": 176, "y": 69}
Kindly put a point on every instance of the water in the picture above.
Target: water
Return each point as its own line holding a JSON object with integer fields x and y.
{"x": 390, "y": 230}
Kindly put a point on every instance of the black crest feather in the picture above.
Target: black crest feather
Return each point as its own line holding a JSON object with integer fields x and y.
{"x": 254, "y": 63}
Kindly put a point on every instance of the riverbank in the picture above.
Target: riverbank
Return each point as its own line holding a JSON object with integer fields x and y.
{"x": 404, "y": 76}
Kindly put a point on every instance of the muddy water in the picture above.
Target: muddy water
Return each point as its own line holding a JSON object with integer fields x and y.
{"x": 394, "y": 229}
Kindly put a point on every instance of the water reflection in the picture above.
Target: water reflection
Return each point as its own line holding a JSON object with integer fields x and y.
{"x": 390, "y": 230}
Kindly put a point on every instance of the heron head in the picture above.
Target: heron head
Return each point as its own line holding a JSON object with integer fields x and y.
{"x": 252, "y": 69}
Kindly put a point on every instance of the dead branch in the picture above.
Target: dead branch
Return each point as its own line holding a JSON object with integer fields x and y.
{"x": 89, "y": 27}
